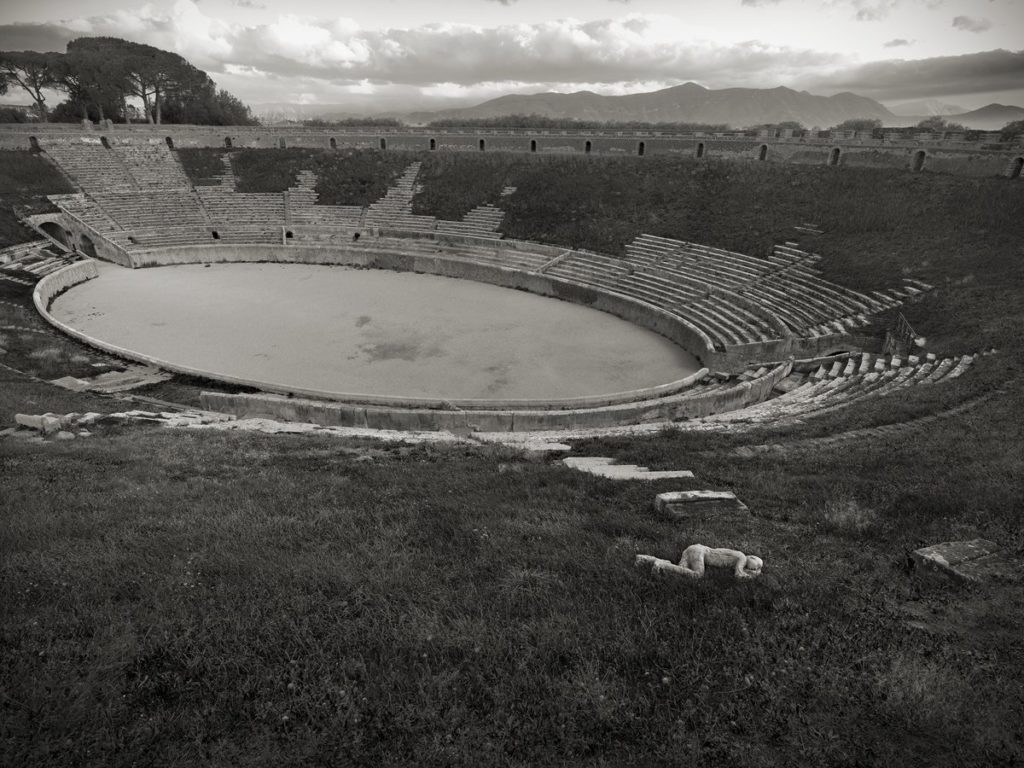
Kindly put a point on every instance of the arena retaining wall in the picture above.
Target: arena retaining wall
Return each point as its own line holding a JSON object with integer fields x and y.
{"x": 673, "y": 408}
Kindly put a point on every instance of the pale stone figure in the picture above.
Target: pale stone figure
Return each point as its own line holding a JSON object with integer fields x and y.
{"x": 697, "y": 557}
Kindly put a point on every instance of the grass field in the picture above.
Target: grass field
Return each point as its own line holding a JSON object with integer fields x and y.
{"x": 173, "y": 597}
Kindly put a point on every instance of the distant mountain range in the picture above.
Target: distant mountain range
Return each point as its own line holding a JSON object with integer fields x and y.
{"x": 990, "y": 118}
{"x": 688, "y": 103}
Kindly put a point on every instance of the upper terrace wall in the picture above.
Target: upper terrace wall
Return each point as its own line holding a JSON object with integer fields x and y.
{"x": 949, "y": 156}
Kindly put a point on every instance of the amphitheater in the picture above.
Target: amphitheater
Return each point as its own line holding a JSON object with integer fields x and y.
{"x": 344, "y": 448}
{"x": 768, "y": 338}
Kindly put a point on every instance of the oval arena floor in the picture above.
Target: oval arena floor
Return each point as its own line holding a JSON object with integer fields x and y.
{"x": 356, "y": 331}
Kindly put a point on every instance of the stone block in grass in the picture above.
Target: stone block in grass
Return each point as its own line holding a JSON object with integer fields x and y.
{"x": 690, "y": 503}
{"x": 966, "y": 562}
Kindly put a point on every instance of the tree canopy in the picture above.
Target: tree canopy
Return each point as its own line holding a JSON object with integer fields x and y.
{"x": 101, "y": 74}
{"x": 938, "y": 124}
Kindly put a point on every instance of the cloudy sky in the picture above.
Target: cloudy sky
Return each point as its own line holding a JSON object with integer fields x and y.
{"x": 390, "y": 54}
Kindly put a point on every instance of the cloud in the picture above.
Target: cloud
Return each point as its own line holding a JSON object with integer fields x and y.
{"x": 336, "y": 58}
{"x": 942, "y": 76}
{"x": 35, "y": 37}
{"x": 872, "y": 10}
{"x": 971, "y": 24}
{"x": 759, "y": 3}
{"x": 632, "y": 48}
{"x": 898, "y": 42}
{"x": 255, "y": 4}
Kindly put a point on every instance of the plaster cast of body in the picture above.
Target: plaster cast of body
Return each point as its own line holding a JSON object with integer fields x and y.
{"x": 697, "y": 557}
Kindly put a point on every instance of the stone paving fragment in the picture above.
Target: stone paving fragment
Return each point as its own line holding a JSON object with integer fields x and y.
{"x": 605, "y": 467}
{"x": 70, "y": 382}
{"x": 967, "y": 562}
{"x": 686, "y": 503}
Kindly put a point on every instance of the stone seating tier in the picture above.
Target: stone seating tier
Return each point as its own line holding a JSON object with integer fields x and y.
{"x": 135, "y": 210}
{"x": 825, "y": 390}
{"x": 667, "y": 246}
{"x": 90, "y": 165}
{"x": 690, "y": 265}
{"x": 242, "y": 207}
{"x": 86, "y": 210}
{"x": 152, "y": 165}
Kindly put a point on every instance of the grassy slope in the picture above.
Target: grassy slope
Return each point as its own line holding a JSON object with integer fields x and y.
{"x": 25, "y": 180}
{"x": 172, "y": 598}
{"x": 285, "y": 601}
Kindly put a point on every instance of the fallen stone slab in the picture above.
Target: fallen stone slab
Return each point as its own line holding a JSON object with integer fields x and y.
{"x": 605, "y": 467}
{"x": 967, "y": 562}
{"x": 686, "y": 503}
{"x": 70, "y": 382}
{"x": 63, "y": 435}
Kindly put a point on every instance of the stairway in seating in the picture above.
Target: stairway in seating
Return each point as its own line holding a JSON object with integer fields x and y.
{"x": 394, "y": 210}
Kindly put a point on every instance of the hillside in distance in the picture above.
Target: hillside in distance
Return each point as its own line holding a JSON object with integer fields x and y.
{"x": 689, "y": 103}
{"x": 988, "y": 118}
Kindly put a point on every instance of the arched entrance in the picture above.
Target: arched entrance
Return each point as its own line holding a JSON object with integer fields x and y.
{"x": 170, "y": 142}
{"x": 762, "y": 153}
{"x": 433, "y": 145}
{"x": 587, "y": 147}
{"x": 533, "y": 145}
{"x": 383, "y": 143}
{"x": 227, "y": 142}
{"x": 282, "y": 144}
{"x": 333, "y": 142}
{"x": 88, "y": 247}
{"x": 483, "y": 145}
{"x": 55, "y": 231}
{"x": 1015, "y": 169}
{"x": 918, "y": 162}
{"x": 640, "y": 149}
{"x": 33, "y": 144}
{"x": 700, "y": 150}
{"x": 833, "y": 156}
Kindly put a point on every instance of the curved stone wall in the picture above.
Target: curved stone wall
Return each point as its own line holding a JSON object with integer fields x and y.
{"x": 986, "y": 157}
{"x": 620, "y": 408}
{"x": 676, "y": 407}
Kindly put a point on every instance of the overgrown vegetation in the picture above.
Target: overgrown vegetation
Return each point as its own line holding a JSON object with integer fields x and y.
{"x": 454, "y": 183}
{"x": 345, "y": 177}
{"x": 25, "y": 180}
